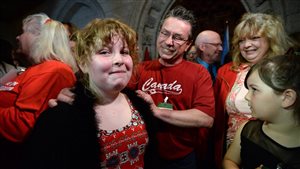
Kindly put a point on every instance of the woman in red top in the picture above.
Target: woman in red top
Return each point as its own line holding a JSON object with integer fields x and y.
{"x": 45, "y": 42}
{"x": 23, "y": 99}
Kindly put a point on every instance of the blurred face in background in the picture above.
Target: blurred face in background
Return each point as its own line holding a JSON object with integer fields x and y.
{"x": 191, "y": 54}
{"x": 213, "y": 49}
{"x": 24, "y": 44}
{"x": 25, "y": 41}
{"x": 210, "y": 46}
{"x": 70, "y": 33}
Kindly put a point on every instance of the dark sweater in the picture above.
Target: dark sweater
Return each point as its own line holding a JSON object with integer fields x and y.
{"x": 65, "y": 137}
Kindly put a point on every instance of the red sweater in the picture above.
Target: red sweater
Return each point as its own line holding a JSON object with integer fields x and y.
{"x": 222, "y": 86}
{"x": 23, "y": 99}
{"x": 188, "y": 85}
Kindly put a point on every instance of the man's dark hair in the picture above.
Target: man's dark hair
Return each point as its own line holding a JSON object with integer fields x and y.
{"x": 183, "y": 14}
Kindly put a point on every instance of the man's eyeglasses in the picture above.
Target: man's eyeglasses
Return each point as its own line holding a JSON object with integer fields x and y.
{"x": 214, "y": 44}
{"x": 175, "y": 37}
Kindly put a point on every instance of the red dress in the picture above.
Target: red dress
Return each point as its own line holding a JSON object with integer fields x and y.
{"x": 125, "y": 147}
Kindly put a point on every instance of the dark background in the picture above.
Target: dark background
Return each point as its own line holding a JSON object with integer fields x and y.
{"x": 211, "y": 14}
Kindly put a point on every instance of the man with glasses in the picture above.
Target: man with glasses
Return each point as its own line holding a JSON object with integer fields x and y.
{"x": 209, "y": 47}
{"x": 180, "y": 93}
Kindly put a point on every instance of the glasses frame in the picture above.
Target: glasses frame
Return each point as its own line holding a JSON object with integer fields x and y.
{"x": 214, "y": 44}
{"x": 176, "y": 38}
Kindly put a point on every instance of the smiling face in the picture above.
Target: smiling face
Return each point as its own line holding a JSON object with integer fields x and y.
{"x": 253, "y": 48}
{"x": 211, "y": 47}
{"x": 111, "y": 67}
{"x": 173, "y": 40}
{"x": 263, "y": 102}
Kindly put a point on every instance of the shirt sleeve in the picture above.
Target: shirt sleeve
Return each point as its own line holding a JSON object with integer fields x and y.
{"x": 204, "y": 94}
{"x": 16, "y": 121}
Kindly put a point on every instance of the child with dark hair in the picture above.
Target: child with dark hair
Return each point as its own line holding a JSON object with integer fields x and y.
{"x": 273, "y": 139}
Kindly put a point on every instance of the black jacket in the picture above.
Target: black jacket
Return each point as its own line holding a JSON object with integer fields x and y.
{"x": 65, "y": 137}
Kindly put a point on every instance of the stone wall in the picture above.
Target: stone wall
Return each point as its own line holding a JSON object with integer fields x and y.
{"x": 145, "y": 15}
{"x": 142, "y": 15}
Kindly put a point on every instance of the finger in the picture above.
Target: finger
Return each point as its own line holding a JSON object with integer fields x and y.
{"x": 260, "y": 167}
{"x": 52, "y": 102}
{"x": 139, "y": 93}
{"x": 67, "y": 92}
{"x": 65, "y": 98}
{"x": 144, "y": 96}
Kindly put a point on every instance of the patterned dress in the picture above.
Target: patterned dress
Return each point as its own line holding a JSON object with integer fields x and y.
{"x": 236, "y": 105}
{"x": 124, "y": 147}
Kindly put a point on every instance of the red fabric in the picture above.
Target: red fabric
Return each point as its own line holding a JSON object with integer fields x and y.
{"x": 24, "y": 99}
{"x": 188, "y": 85}
{"x": 222, "y": 86}
{"x": 147, "y": 55}
{"x": 125, "y": 147}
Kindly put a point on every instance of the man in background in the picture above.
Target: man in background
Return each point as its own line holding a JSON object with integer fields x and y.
{"x": 209, "y": 47}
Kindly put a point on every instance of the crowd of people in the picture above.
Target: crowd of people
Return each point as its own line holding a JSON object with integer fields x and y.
{"x": 86, "y": 101}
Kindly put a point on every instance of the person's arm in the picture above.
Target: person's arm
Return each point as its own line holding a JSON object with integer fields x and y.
{"x": 9, "y": 76}
{"x": 232, "y": 159}
{"x": 183, "y": 118}
{"x": 16, "y": 121}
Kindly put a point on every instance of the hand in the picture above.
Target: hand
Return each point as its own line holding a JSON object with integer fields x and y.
{"x": 157, "y": 111}
{"x": 52, "y": 102}
{"x": 148, "y": 99}
{"x": 261, "y": 167}
{"x": 145, "y": 96}
{"x": 65, "y": 95}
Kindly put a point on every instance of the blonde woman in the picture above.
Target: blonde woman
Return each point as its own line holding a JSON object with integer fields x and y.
{"x": 45, "y": 43}
{"x": 257, "y": 36}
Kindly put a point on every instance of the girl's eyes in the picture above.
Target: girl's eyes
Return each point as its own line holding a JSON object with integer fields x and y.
{"x": 106, "y": 52}
{"x": 103, "y": 52}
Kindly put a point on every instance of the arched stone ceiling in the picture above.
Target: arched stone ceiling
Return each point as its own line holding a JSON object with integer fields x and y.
{"x": 145, "y": 15}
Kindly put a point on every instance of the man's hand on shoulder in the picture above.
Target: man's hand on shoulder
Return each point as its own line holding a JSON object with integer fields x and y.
{"x": 65, "y": 95}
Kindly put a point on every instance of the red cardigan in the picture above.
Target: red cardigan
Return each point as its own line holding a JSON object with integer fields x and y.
{"x": 222, "y": 86}
{"x": 26, "y": 97}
